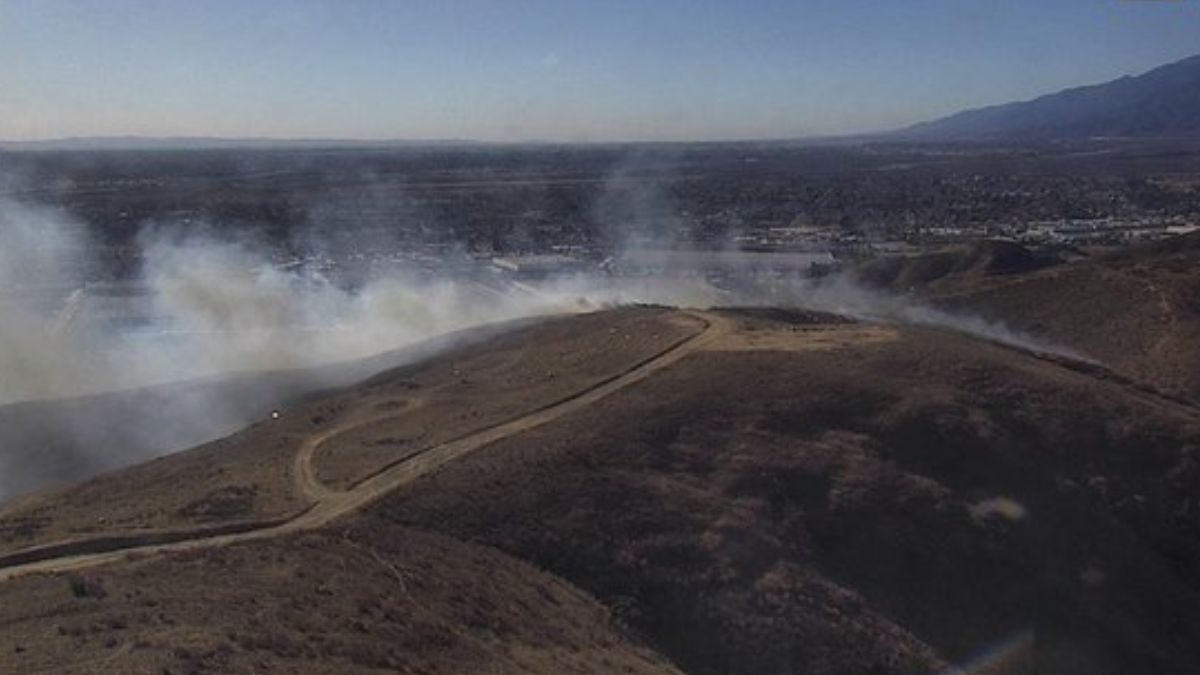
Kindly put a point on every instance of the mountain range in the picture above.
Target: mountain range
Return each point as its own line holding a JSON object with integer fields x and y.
{"x": 1162, "y": 102}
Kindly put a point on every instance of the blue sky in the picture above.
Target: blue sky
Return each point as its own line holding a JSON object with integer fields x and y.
{"x": 554, "y": 70}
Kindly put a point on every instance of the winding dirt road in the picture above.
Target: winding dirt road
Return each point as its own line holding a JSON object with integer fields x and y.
{"x": 329, "y": 504}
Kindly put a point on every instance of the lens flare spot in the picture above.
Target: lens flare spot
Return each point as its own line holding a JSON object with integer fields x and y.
{"x": 1003, "y": 508}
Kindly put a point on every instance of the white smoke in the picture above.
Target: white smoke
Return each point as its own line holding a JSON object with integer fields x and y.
{"x": 220, "y": 305}
{"x": 41, "y": 253}
{"x": 840, "y": 294}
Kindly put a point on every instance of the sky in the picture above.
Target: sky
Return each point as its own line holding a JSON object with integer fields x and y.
{"x": 517, "y": 70}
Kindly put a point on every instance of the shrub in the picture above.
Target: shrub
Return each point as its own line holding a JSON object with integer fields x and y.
{"x": 86, "y": 585}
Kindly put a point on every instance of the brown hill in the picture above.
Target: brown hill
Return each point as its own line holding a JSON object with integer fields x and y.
{"x": 954, "y": 264}
{"x": 403, "y": 601}
{"x": 869, "y": 507}
{"x": 57, "y": 441}
{"x": 741, "y": 492}
{"x": 1137, "y": 311}
{"x": 251, "y": 477}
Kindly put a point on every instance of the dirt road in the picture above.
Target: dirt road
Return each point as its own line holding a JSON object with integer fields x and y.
{"x": 329, "y": 505}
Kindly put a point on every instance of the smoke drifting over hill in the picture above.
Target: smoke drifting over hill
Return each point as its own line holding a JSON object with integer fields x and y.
{"x": 39, "y": 250}
{"x": 221, "y": 305}
{"x": 841, "y": 295}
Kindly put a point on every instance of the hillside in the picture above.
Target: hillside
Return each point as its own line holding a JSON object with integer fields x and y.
{"x": 251, "y": 477}
{"x": 1137, "y": 311}
{"x": 956, "y": 265}
{"x": 873, "y": 506}
{"x": 728, "y": 492}
{"x": 58, "y": 441}
{"x": 1162, "y": 102}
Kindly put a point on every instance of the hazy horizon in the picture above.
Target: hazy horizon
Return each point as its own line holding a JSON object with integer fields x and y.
{"x": 546, "y": 72}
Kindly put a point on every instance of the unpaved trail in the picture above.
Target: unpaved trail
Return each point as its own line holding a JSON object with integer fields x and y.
{"x": 329, "y": 505}
{"x": 306, "y": 482}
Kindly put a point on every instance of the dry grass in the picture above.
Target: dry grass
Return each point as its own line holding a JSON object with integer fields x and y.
{"x": 894, "y": 500}
{"x": 349, "y": 601}
{"x": 249, "y": 477}
{"x": 820, "y": 511}
{"x": 1137, "y": 311}
{"x": 515, "y": 374}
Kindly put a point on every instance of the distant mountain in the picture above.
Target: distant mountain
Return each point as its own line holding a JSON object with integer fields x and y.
{"x": 1162, "y": 102}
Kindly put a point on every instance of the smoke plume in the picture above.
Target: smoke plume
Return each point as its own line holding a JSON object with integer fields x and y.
{"x": 215, "y": 307}
{"x": 219, "y": 307}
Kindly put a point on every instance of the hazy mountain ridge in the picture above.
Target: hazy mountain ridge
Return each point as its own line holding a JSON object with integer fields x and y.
{"x": 1164, "y": 101}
